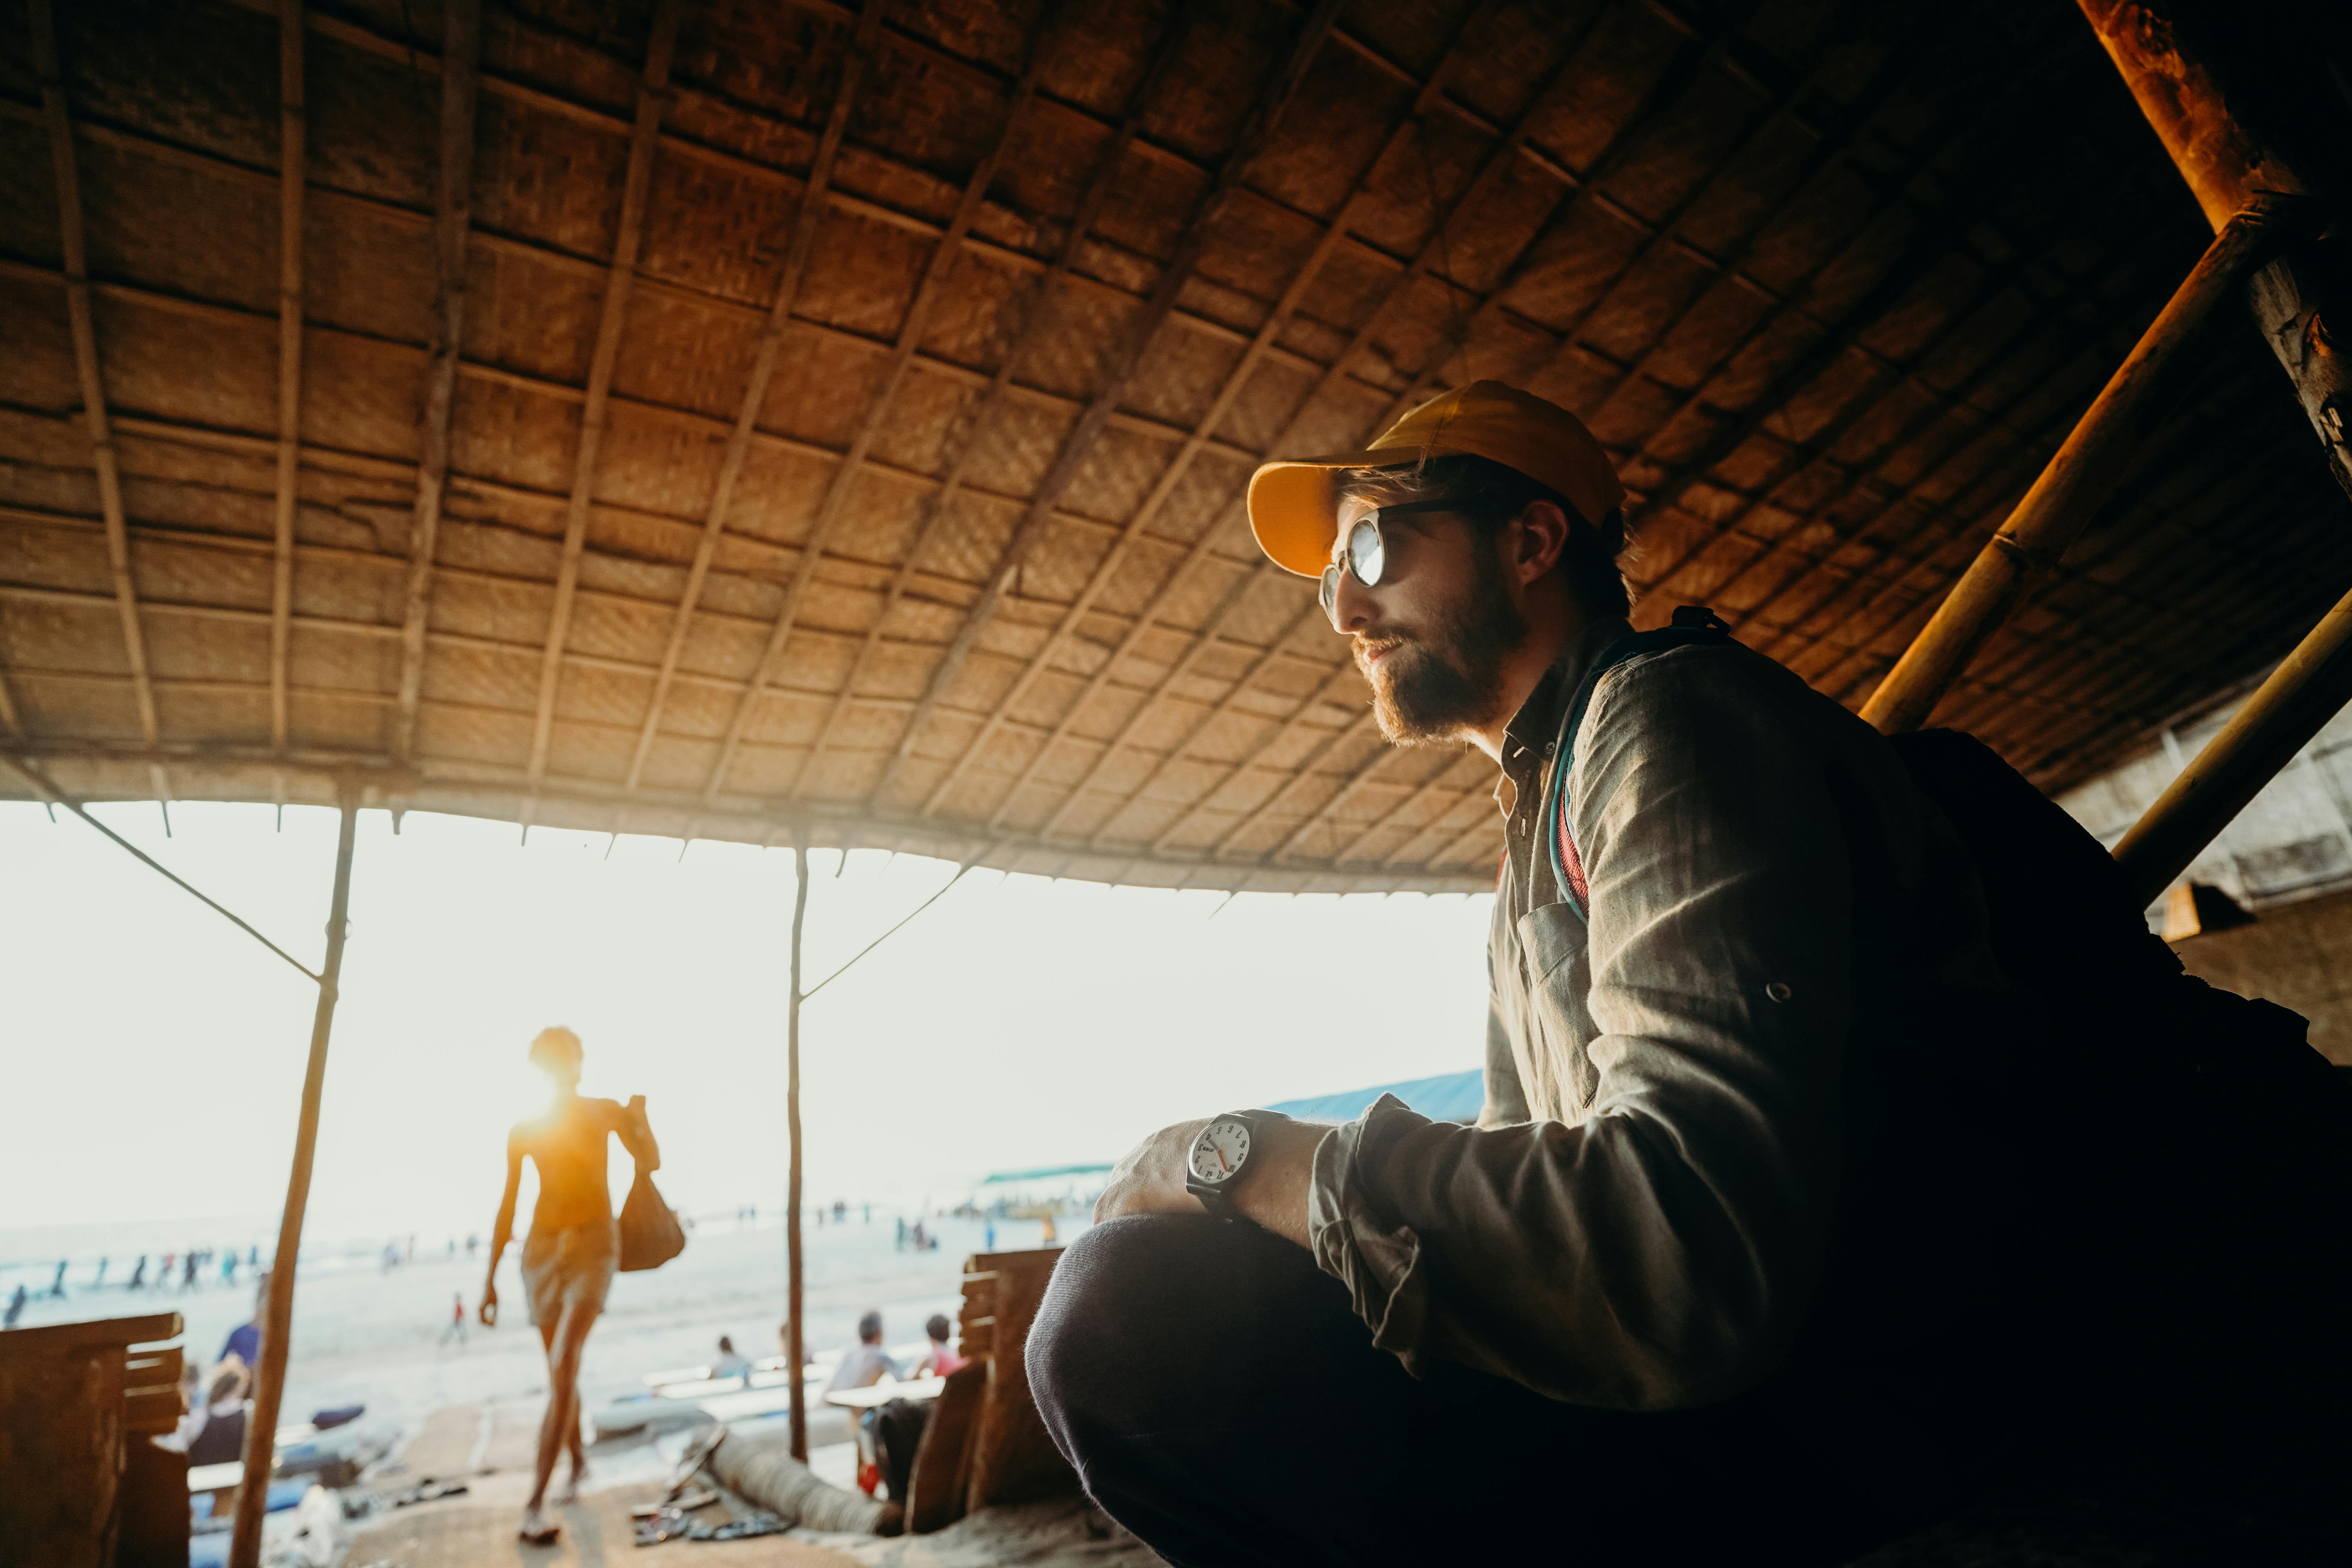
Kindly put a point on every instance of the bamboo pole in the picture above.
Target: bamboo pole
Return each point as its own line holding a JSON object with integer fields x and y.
{"x": 277, "y": 1321}
{"x": 2068, "y": 492}
{"x": 2277, "y": 722}
{"x": 793, "y": 1336}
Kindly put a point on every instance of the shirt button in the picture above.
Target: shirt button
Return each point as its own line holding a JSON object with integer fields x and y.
{"x": 1779, "y": 991}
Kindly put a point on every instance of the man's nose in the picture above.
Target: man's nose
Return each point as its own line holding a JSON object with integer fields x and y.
{"x": 1351, "y": 605}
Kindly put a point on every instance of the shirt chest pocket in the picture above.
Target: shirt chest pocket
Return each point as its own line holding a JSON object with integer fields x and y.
{"x": 1554, "y": 1030}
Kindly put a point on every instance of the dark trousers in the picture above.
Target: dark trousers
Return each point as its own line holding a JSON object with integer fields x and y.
{"x": 1219, "y": 1398}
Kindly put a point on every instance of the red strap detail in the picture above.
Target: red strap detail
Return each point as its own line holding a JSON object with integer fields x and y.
{"x": 1573, "y": 861}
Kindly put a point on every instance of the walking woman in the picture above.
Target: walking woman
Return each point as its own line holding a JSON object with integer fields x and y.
{"x": 573, "y": 1246}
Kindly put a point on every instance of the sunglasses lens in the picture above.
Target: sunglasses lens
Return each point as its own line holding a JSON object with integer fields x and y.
{"x": 1329, "y": 594}
{"x": 1366, "y": 553}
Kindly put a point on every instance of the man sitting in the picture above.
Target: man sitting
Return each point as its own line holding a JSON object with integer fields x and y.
{"x": 1756, "y": 1252}
{"x": 730, "y": 1362}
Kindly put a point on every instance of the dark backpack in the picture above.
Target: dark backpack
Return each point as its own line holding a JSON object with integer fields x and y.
{"x": 2182, "y": 1155}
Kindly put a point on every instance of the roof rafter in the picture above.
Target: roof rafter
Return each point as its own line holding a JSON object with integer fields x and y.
{"x": 911, "y": 327}
{"x": 653, "y": 98}
{"x": 1325, "y": 692}
{"x": 1677, "y": 76}
{"x": 292, "y": 180}
{"x": 1275, "y": 96}
{"x": 1401, "y": 135}
{"x": 1036, "y": 312}
{"x": 806, "y": 214}
{"x": 454, "y": 205}
{"x": 92, "y": 376}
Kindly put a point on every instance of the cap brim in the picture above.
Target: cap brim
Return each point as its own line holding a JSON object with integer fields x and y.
{"x": 1290, "y": 509}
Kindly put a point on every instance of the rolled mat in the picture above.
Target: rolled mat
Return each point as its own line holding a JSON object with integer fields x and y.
{"x": 766, "y": 1473}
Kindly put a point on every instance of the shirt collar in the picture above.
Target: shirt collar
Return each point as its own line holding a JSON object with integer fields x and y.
{"x": 1534, "y": 729}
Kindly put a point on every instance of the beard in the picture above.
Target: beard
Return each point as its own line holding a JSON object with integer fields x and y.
{"x": 1433, "y": 686}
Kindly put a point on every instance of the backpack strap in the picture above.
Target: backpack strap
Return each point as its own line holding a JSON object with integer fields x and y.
{"x": 1691, "y": 624}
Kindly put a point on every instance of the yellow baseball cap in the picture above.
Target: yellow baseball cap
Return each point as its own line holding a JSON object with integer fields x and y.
{"x": 1290, "y": 506}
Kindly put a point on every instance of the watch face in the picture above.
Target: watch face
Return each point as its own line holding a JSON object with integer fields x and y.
{"x": 1219, "y": 1151}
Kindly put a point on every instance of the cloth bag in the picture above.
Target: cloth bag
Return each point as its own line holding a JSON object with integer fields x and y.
{"x": 650, "y": 1234}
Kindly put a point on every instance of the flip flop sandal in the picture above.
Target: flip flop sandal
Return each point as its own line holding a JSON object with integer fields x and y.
{"x": 668, "y": 1525}
{"x": 544, "y": 1536}
{"x": 741, "y": 1530}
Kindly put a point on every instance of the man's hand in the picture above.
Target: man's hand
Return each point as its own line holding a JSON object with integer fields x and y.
{"x": 489, "y": 1309}
{"x": 1151, "y": 1180}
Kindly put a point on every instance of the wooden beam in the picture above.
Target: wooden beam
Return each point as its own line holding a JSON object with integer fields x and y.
{"x": 1161, "y": 691}
{"x": 1275, "y": 96}
{"x": 453, "y": 215}
{"x": 1432, "y": 251}
{"x": 653, "y": 97}
{"x": 1037, "y": 311}
{"x": 86, "y": 367}
{"x": 806, "y": 214}
{"x": 277, "y": 1312}
{"x": 1327, "y": 691}
{"x": 911, "y": 329}
{"x": 797, "y": 1394}
{"x": 401, "y": 51}
{"x": 1433, "y": 785}
{"x": 292, "y": 181}
{"x": 2062, "y": 501}
{"x": 1360, "y": 199}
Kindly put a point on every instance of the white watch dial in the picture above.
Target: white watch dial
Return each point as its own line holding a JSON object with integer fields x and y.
{"x": 1220, "y": 1150}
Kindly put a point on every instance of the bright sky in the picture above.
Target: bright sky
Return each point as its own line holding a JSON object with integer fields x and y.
{"x": 153, "y": 1053}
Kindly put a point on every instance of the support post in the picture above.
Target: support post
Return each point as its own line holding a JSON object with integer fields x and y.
{"x": 277, "y": 1321}
{"x": 2276, "y": 723}
{"x": 793, "y": 1335}
{"x": 2228, "y": 126}
{"x": 2068, "y": 492}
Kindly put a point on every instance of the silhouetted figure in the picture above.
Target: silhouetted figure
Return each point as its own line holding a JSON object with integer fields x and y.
{"x": 731, "y": 1362}
{"x": 16, "y": 1308}
{"x": 572, "y": 1248}
{"x": 57, "y": 1285}
{"x": 138, "y": 1275}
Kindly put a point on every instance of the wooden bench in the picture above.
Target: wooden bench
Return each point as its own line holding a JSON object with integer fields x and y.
{"x": 86, "y": 1488}
{"x": 985, "y": 1442}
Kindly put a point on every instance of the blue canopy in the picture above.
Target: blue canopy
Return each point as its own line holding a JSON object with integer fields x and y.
{"x": 1448, "y": 1097}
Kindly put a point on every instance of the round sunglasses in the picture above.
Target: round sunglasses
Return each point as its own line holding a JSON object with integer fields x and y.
{"x": 1366, "y": 555}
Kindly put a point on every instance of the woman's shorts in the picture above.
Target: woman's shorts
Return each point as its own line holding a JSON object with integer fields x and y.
{"x": 569, "y": 1268}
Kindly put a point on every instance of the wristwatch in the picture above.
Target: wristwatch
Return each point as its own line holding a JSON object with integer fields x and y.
{"x": 1220, "y": 1158}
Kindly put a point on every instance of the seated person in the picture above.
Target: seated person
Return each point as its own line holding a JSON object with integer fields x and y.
{"x": 730, "y": 1362}
{"x": 866, "y": 1363}
{"x": 212, "y": 1432}
{"x": 937, "y": 1361}
{"x": 1791, "y": 1220}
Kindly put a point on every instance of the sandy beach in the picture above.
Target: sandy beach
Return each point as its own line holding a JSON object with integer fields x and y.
{"x": 365, "y": 1334}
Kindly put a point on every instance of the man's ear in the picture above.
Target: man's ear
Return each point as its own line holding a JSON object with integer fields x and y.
{"x": 1541, "y": 535}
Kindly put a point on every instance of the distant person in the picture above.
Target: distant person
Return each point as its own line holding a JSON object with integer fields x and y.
{"x": 456, "y": 1328}
{"x": 188, "y": 1272}
{"x": 731, "y": 1362}
{"x": 57, "y": 1285}
{"x": 229, "y": 1266}
{"x": 1050, "y": 1236}
{"x": 988, "y": 1236}
{"x": 16, "y": 1308}
{"x": 100, "y": 1283}
{"x": 138, "y": 1275}
{"x": 572, "y": 1248}
{"x": 214, "y": 1432}
{"x": 244, "y": 1342}
{"x": 902, "y": 1233}
{"x": 866, "y": 1363}
{"x": 939, "y": 1360}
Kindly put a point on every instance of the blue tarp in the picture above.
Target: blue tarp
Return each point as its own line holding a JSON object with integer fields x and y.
{"x": 1449, "y": 1097}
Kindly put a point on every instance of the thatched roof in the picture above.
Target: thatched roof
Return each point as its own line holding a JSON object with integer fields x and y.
{"x": 850, "y": 404}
